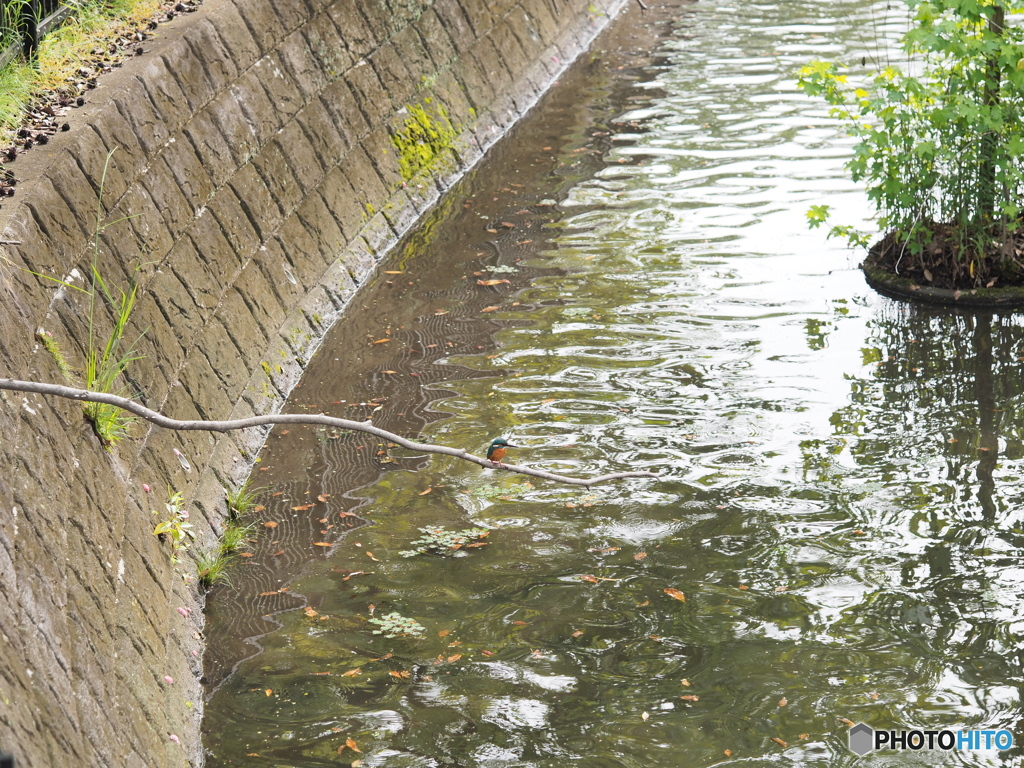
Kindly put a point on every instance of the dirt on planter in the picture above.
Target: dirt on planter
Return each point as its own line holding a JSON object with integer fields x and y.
{"x": 946, "y": 262}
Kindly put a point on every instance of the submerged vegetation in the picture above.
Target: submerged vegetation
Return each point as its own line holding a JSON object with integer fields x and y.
{"x": 941, "y": 151}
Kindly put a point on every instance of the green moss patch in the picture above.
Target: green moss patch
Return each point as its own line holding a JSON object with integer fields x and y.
{"x": 425, "y": 133}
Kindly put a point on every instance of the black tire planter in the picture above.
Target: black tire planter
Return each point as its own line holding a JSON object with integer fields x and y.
{"x": 905, "y": 289}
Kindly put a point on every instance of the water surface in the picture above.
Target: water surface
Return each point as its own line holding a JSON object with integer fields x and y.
{"x": 840, "y": 491}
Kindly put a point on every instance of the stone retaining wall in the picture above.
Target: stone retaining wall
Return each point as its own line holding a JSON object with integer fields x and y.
{"x": 268, "y": 153}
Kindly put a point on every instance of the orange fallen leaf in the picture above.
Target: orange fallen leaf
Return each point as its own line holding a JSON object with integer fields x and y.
{"x": 690, "y": 697}
{"x": 285, "y": 431}
{"x": 401, "y": 674}
{"x": 323, "y": 673}
{"x": 382, "y": 341}
{"x": 355, "y": 573}
{"x": 424, "y": 493}
{"x": 673, "y": 592}
{"x": 744, "y": 587}
{"x": 490, "y": 309}
{"x": 310, "y": 612}
{"x": 780, "y": 742}
{"x": 393, "y": 272}
{"x": 783, "y": 701}
{"x": 492, "y": 282}
{"x": 351, "y": 744}
{"x": 270, "y": 524}
{"x": 844, "y": 721}
{"x": 577, "y": 633}
{"x": 323, "y": 497}
{"x": 454, "y": 658}
{"x": 685, "y": 682}
{"x": 265, "y": 594}
{"x": 278, "y": 553}
{"x": 370, "y": 555}
{"x": 521, "y": 623}
{"x": 605, "y": 551}
{"x": 591, "y": 579}
{"x": 487, "y": 653}
{"x": 444, "y": 633}
{"x": 639, "y": 556}
{"x": 303, "y": 508}
{"x": 321, "y": 543}
{"x": 727, "y": 753}
{"x": 803, "y": 736}
{"x": 269, "y": 691}
{"x": 260, "y": 507}
{"x": 352, "y": 672}
{"x": 245, "y": 554}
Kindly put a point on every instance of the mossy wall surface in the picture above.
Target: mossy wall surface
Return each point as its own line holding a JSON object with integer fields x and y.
{"x": 267, "y": 154}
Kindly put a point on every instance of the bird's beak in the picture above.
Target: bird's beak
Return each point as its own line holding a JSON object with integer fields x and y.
{"x": 509, "y": 445}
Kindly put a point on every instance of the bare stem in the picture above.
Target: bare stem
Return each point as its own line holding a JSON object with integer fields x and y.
{"x": 160, "y": 420}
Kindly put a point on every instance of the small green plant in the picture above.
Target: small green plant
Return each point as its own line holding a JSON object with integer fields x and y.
{"x": 441, "y": 541}
{"x": 942, "y": 152}
{"x": 242, "y": 498}
{"x": 396, "y": 625}
{"x": 50, "y": 345}
{"x": 234, "y": 536}
{"x": 212, "y": 567}
{"x": 175, "y": 525}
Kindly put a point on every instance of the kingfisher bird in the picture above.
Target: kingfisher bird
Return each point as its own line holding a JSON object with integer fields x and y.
{"x": 497, "y": 449}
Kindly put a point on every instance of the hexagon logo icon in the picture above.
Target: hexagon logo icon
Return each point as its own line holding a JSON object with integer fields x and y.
{"x": 862, "y": 739}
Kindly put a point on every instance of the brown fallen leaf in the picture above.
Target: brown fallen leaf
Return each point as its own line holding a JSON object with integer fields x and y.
{"x": 424, "y": 493}
{"x": 444, "y": 633}
{"x": 591, "y": 579}
{"x": 351, "y": 744}
{"x": 486, "y": 652}
{"x": 685, "y": 682}
{"x": 492, "y": 282}
{"x": 803, "y": 736}
{"x": 783, "y": 701}
{"x": 673, "y": 592}
{"x": 577, "y": 633}
{"x": 245, "y": 554}
{"x": 639, "y": 556}
{"x": 780, "y": 742}
{"x": 844, "y": 721}
{"x": 400, "y": 674}
{"x": 520, "y": 623}
{"x": 321, "y": 543}
{"x": 382, "y": 341}
{"x": 490, "y": 309}
{"x": 604, "y": 551}
{"x": 265, "y": 594}
{"x": 370, "y": 555}
{"x": 727, "y": 753}
{"x": 270, "y": 524}
{"x": 393, "y": 272}
{"x": 354, "y": 573}
{"x": 690, "y": 697}
{"x": 303, "y": 508}
{"x": 323, "y": 497}
{"x": 269, "y": 691}
{"x": 454, "y": 658}
{"x": 278, "y": 553}
{"x": 310, "y": 612}
{"x": 352, "y": 672}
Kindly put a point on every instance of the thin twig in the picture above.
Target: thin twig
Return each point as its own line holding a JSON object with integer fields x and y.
{"x": 159, "y": 419}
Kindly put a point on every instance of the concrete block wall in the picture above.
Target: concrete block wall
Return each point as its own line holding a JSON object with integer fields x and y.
{"x": 266, "y": 155}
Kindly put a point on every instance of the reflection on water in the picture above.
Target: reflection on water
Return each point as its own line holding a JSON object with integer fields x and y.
{"x": 842, "y": 474}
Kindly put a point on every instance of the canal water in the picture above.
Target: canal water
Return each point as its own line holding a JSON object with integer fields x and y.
{"x": 628, "y": 283}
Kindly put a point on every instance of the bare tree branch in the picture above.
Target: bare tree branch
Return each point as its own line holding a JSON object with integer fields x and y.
{"x": 288, "y": 418}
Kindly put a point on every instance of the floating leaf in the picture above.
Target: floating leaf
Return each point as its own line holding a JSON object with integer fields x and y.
{"x": 492, "y": 282}
{"x": 270, "y": 524}
{"x": 310, "y": 612}
{"x": 780, "y": 742}
{"x": 321, "y": 543}
{"x": 352, "y": 672}
{"x": 323, "y": 497}
{"x": 577, "y": 633}
{"x": 672, "y": 592}
{"x": 645, "y": 717}
{"x": 685, "y": 682}
{"x": 381, "y": 341}
{"x": 269, "y": 691}
{"x": 303, "y": 508}
{"x": 639, "y": 556}
{"x": 393, "y": 272}
{"x": 690, "y": 697}
{"x": 490, "y": 309}
{"x": 588, "y": 578}
{"x": 370, "y": 555}
{"x": 444, "y": 633}
{"x": 424, "y": 493}
{"x": 454, "y": 658}
{"x": 783, "y": 701}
